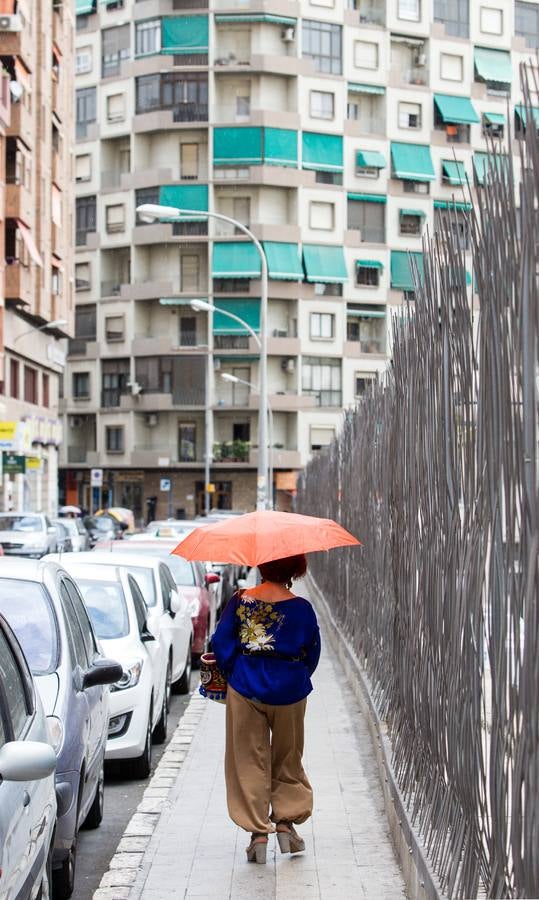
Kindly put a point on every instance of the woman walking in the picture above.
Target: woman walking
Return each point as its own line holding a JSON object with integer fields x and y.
{"x": 267, "y": 643}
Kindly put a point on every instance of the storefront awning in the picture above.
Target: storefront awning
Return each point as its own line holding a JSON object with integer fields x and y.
{"x": 493, "y": 65}
{"x": 371, "y": 159}
{"x": 322, "y": 152}
{"x": 284, "y": 263}
{"x": 235, "y": 259}
{"x": 30, "y": 244}
{"x": 494, "y": 118}
{"x": 356, "y": 88}
{"x": 254, "y": 146}
{"x": 402, "y": 277}
{"x": 522, "y": 113}
{"x": 412, "y": 162}
{"x": 269, "y": 19}
{"x": 456, "y": 110}
{"x": 324, "y": 264}
{"x": 183, "y": 35}
{"x": 368, "y": 198}
{"x": 247, "y": 309}
{"x": 185, "y": 196}
{"x": 369, "y": 264}
{"x": 453, "y": 171}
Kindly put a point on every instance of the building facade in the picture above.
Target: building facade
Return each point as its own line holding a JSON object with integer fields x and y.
{"x": 338, "y": 133}
{"x": 36, "y": 269}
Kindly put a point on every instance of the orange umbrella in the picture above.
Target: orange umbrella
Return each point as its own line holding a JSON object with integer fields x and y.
{"x": 260, "y": 536}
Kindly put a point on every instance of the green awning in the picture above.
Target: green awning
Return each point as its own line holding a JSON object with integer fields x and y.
{"x": 224, "y": 19}
{"x": 456, "y": 110}
{"x": 324, "y": 264}
{"x": 371, "y": 159}
{"x": 185, "y": 196}
{"x": 356, "y": 88}
{"x": 369, "y": 264}
{"x": 254, "y": 146}
{"x": 522, "y": 113}
{"x": 494, "y": 118}
{"x": 176, "y": 301}
{"x": 402, "y": 277}
{"x": 483, "y": 162}
{"x": 453, "y": 171}
{"x": 284, "y": 263}
{"x": 366, "y": 313}
{"x": 413, "y": 212}
{"x": 451, "y": 204}
{"x": 247, "y": 309}
{"x": 368, "y": 198}
{"x": 412, "y": 162}
{"x": 84, "y": 7}
{"x": 322, "y": 152}
{"x": 280, "y": 147}
{"x": 182, "y": 35}
{"x": 235, "y": 259}
{"x": 493, "y": 65}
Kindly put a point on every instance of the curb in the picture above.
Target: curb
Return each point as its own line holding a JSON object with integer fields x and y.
{"x": 125, "y": 865}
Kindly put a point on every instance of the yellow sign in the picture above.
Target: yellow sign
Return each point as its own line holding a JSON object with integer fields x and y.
{"x": 8, "y": 431}
{"x": 33, "y": 462}
{"x": 210, "y": 488}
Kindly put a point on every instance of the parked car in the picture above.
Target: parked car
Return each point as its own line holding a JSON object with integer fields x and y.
{"x": 140, "y": 700}
{"x": 27, "y": 794}
{"x": 167, "y": 610}
{"x": 199, "y": 587}
{"x": 63, "y": 538}
{"x": 80, "y": 539}
{"x": 103, "y": 528}
{"x": 45, "y": 609}
{"x": 168, "y": 528}
{"x": 27, "y": 534}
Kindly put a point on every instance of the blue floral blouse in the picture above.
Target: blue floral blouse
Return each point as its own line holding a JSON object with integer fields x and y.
{"x": 268, "y": 651}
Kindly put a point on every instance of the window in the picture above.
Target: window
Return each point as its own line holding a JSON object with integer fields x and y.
{"x": 83, "y": 60}
{"x": 369, "y": 219}
{"x": 321, "y": 216}
{"x": 83, "y": 167}
{"x": 86, "y": 217}
{"x": 147, "y": 37}
{"x": 115, "y": 50}
{"x": 352, "y": 111}
{"x": 115, "y": 218}
{"x": 243, "y": 103}
{"x": 114, "y": 328}
{"x": 416, "y": 187}
{"x": 82, "y": 276}
{"x": 187, "y": 441}
{"x": 85, "y": 322}
{"x": 366, "y": 55}
{"x": 409, "y": 115}
{"x": 410, "y": 10}
{"x": 527, "y": 22}
{"x": 82, "y": 619}
{"x": 451, "y": 67}
{"x": 56, "y": 280}
{"x": 321, "y": 378}
{"x": 116, "y": 108}
{"x": 454, "y": 15}
{"x": 114, "y": 438}
{"x": 457, "y": 222}
{"x": 81, "y": 385}
{"x": 14, "y": 379}
{"x": 410, "y": 224}
{"x": 189, "y": 273}
{"x": 323, "y": 289}
{"x": 362, "y": 382}
{"x": 187, "y": 331}
{"x": 30, "y": 384}
{"x": 148, "y": 93}
{"x": 45, "y": 390}
{"x": 322, "y": 326}
{"x": 490, "y": 128}
{"x": 75, "y": 640}
{"x": 85, "y": 106}
{"x": 322, "y": 42}
{"x": 322, "y": 105}
{"x": 114, "y": 378}
{"x": 367, "y": 276}
{"x": 186, "y": 93}
{"x": 321, "y": 436}
{"x": 14, "y": 689}
{"x": 188, "y": 162}
{"x": 490, "y": 20}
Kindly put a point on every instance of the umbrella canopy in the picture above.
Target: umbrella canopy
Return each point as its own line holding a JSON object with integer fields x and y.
{"x": 67, "y": 510}
{"x": 261, "y": 536}
{"x": 125, "y": 516}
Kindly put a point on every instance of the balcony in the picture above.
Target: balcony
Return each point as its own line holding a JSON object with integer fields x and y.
{"x": 113, "y": 287}
{"x": 77, "y": 454}
{"x": 5, "y": 101}
{"x": 82, "y": 347}
{"x": 231, "y": 451}
{"x": 280, "y": 458}
{"x": 18, "y": 200}
{"x": 21, "y": 124}
{"x": 324, "y": 398}
{"x": 19, "y": 282}
{"x": 112, "y": 397}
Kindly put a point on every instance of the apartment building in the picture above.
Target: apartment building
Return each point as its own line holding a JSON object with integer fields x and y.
{"x": 338, "y": 134}
{"x": 36, "y": 216}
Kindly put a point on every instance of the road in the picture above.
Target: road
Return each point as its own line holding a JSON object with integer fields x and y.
{"x": 122, "y": 796}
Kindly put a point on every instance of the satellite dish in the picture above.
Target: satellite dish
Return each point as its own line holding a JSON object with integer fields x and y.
{"x": 16, "y": 91}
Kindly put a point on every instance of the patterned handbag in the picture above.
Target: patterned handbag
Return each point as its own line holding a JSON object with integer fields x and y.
{"x": 212, "y": 680}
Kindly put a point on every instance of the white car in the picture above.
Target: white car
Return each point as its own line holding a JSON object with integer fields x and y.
{"x": 168, "y": 611}
{"x": 140, "y": 700}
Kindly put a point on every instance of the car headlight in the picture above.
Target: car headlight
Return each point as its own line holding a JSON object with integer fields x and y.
{"x": 194, "y": 607}
{"x": 130, "y": 677}
{"x": 55, "y": 731}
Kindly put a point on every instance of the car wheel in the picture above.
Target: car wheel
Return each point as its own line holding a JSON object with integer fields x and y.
{"x": 160, "y": 730}
{"x": 45, "y": 888}
{"x": 142, "y": 765}
{"x": 63, "y": 879}
{"x": 183, "y": 684}
{"x": 95, "y": 813}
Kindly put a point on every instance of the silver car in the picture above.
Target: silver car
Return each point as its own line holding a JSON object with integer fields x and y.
{"x": 27, "y": 534}
{"x": 80, "y": 539}
{"x": 27, "y": 794}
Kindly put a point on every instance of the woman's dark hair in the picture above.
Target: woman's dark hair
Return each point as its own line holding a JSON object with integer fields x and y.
{"x": 283, "y": 571}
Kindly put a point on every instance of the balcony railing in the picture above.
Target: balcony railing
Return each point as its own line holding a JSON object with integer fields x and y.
{"x": 190, "y": 112}
{"x": 189, "y": 4}
{"x": 326, "y": 398}
{"x": 111, "y": 288}
{"x": 367, "y": 345}
{"x": 111, "y": 396}
{"x": 190, "y": 228}
{"x": 81, "y": 236}
{"x": 231, "y": 451}
{"x": 188, "y": 339}
{"x": 231, "y": 341}
{"x": 77, "y": 346}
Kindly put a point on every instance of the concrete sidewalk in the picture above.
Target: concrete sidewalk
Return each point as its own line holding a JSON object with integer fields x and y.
{"x": 197, "y": 852}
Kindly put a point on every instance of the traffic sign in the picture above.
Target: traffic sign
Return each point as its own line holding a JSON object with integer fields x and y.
{"x": 96, "y": 478}
{"x": 164, "y": 484}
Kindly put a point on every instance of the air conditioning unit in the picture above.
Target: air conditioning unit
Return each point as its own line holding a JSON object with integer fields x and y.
{"x": 150, "y": 419}
{"x": 420, "y": 60}
{"x": 288, "y": 365}
{"x": 288, "y": 35}
{"x": 10, "y": 23}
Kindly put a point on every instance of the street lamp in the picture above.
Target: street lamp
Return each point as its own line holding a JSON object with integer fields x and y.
{"x": 149, "y": 212}
{"x": 56, "y": 323}
{"x": 233, "y": 379}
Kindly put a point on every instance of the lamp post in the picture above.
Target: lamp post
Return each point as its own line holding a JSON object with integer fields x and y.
{"x": 233, "y": 379}
{"x": 149, "y": 212}
{"x": 56, "y": 323}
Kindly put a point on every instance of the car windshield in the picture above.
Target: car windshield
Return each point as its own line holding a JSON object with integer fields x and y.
{"x": 105, "y": 602}
{"x": 28, "y": 610}
{"x": 20, "y": 523}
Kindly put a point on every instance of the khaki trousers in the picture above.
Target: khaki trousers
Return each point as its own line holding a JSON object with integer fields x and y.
{"x": 263, "y": 770}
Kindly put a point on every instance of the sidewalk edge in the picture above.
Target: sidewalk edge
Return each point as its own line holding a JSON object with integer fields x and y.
{"x": 126, "y": 864}
{"x": 421, "y": 882}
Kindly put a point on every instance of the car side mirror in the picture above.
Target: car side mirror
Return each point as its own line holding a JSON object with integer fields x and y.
{"x": 212, "y": 578}
{"x": 26, "y": 761}
{"x": 146, "y": 635}
{"x": 102, "y": 671}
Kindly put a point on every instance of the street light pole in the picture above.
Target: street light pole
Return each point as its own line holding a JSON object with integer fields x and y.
{"x": 152, "y": 211}
{"x": 233, "y": 379}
